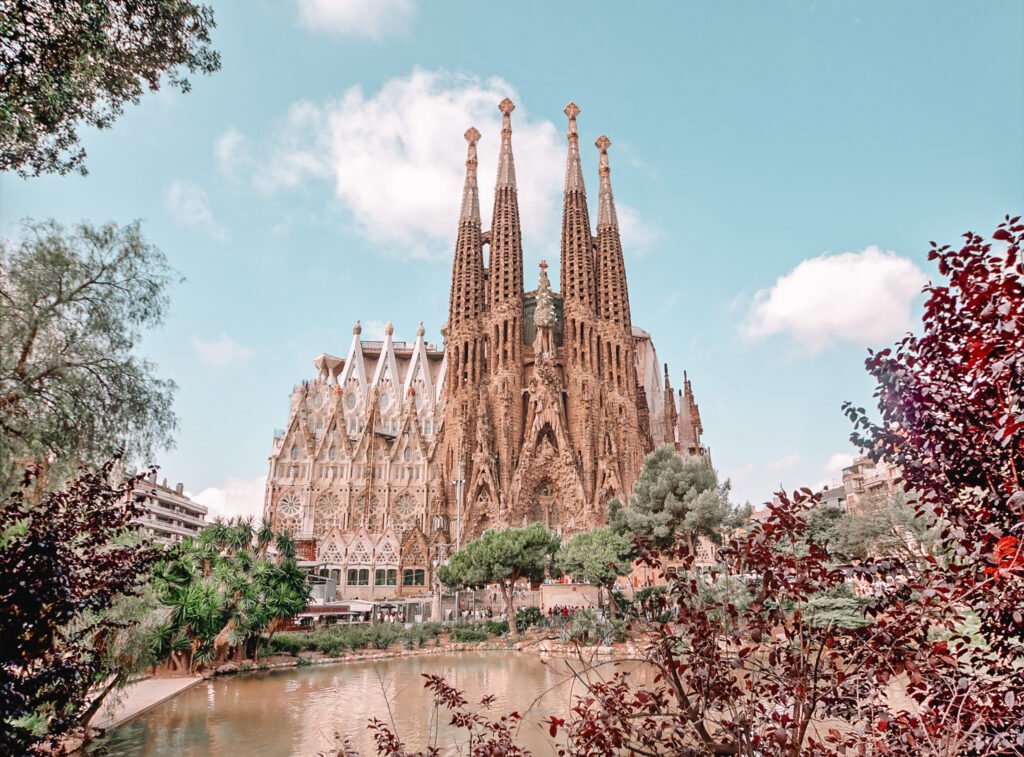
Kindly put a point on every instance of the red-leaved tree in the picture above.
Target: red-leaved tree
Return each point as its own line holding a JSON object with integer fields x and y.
{"x": 60, "y": 564}
{"x": 749, "y": 661}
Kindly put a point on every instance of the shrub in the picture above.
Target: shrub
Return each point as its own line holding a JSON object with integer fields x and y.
{"x": 471, "y": 634}
{"x": 287, "y": 644}
{"x": 384, "y": 635}
{"x": 528, "y": 616}
{"x": 496, "y": 627}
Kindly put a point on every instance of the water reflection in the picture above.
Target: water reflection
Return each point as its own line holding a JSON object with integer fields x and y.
{"x": 297, "y": 712}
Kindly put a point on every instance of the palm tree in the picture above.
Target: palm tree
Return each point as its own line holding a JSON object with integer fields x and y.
{"x": 264, "y": 537}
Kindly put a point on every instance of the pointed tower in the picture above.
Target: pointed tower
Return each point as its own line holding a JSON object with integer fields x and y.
{"x": 504, "y": 322}
{"x": 578, "y": 281}
{"x": 506, "y": 262}
{"x": 671, "y": 417}
{"x": 614, "y": 295}
{"x": 466, "y": 306}
{"x": 690, "y": 427}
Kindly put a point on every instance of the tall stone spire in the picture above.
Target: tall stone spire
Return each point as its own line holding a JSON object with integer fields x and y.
{"x": 671, "y": 413}
{"x": 467, "y": 295}
{"x": 506, "y": 163}
{"x": 690, "y": 426}
{"x": 578, "y": 275}
{"x": 614, "y": 295}
{"x": 470, "y": 192}
{"x": 506, "y": 263}
{"x": 606, "y": 202}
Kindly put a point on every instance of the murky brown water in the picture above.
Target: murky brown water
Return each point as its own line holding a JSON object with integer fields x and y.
{"x": 297, "y": 711}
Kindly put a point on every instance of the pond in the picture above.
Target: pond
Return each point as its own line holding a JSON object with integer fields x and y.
{"x": 297, "y": 711}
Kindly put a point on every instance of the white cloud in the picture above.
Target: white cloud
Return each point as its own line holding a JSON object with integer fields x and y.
{"x": 230, "y": 151}
{"x": 189, "y": 205}
{"x": 836, "y": 463}
{"x": 357, "y": 18}
{"x": 396, "y": 159}
{"x": 865, "y": 298}
{"x": 236, "y": 497}
{"x": 783, "y": 464}
{"x": 221, "y": 351}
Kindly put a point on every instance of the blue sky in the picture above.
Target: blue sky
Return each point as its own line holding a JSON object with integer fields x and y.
{"x": 780, "y": 168}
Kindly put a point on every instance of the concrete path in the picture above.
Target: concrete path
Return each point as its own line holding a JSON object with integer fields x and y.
{"x": 139, "y": 697}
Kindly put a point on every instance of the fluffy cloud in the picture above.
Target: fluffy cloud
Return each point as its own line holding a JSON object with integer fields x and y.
{"x": 236, "y": 497}
{"x": 374, "y": 19}
{"x": 221, "y": 351}
{"x": 836, "y": 463}
{"x": 783, "y": 464}
{"x": 859, "y": 297}
{"x": 396, "y": 160}
{"x": 190, "y": 206}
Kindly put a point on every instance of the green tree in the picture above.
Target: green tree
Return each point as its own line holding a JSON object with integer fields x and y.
{"x": 598, "y": 557}
{"x": 676, "y": 500}
{"x": 65, "y": 560}
{"x": 65, "y": 63}
{"x": 886, "y": 525}
{"x": 503, "y": 557}
{"x": 126, "y": 648}
{"x": 224, "y": 590}
{"x": 824, "y": 526}
{"x": 73, "y": 304}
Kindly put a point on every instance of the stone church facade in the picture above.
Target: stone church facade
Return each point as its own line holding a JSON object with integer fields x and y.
{"x": 540, "y": 407}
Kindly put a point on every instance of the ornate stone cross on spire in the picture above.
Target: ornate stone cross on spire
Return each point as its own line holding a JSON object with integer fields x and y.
{"x": 572, "y": 110}
{"x": 506, "y": 166}
{"x": 506, "y": 107}
{"x": 470, "y": 195}
{"x": 605, "y": 203}
{"x": 603, "y": 143}
{"x": 472, "y": 136}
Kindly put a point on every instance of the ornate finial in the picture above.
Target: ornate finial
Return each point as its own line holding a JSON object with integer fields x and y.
{"x": 389, "y": 328}
{"x": 472, "y": 136}
{"x": 506, "y": 107}
{"x": 572, "y": 110}
{"x": 420, "y": 331}
{"x": 544, "y": 265}
{"x": 506, "y": 166}
{"x": 357, "y": 329}
{"x": 605, "y": 204}
{"x": 470, "y": 198}
{"x": 602, "y": 144}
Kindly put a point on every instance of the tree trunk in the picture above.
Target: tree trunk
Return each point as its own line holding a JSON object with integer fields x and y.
{"x": 508, "y": 594}
{"x": 612, "y": 609}
{"x": 93, "y": 708}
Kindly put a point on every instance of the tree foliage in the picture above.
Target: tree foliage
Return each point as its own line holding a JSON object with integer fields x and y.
{"x": 68, "y": 63}
{"x": 676, "y": 500}
{"x": 598, "y": 557}
{"x": 63, "y": 562}
{"x": 73, "y": 304}
{"x": 503, "y": 557}
{"x": 794, "y": 665}
{"x": 223, "y": 590}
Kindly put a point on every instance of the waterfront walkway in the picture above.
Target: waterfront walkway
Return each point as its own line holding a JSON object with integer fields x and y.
{"x": 141, "y": 696}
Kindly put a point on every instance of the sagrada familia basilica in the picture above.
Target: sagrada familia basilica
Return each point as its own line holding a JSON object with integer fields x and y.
{"x": 540, "y": 407}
